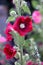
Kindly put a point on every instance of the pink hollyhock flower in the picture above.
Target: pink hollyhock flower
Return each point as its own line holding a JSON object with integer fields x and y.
{"x": 36, "y": 16}
{"x": 2, "y": 39}
{"x": 2, "y": 61}
{"x": 23, "y": 25}
{"x": 7, "y": 32}
{"x": 41, "y": 63}
{"x": 9, "y": 51}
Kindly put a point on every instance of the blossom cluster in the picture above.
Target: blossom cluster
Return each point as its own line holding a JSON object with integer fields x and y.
{"x": 19, "y": 32}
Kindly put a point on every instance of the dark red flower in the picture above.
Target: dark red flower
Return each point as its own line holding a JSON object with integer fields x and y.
{"x": 23, "y": 25}
{"x": 9, "y": 51}
{"x": 7, "y": 32}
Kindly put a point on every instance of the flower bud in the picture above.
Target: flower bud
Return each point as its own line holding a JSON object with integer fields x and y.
{"x": 12, "y": 13}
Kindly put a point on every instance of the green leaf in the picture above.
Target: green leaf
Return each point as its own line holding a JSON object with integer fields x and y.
{"x": 35, "y": 3}
{"x": 26, "y": 9}
{"x": 11, "y": 18}
{"x": 19, "y": 40}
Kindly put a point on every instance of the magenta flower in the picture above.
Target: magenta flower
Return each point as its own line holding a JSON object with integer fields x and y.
{"x": 7, "y": 32}
{"x": 41, "y": 63}
{"x": 36, "y": 16}
{"x": 29, "y": 63}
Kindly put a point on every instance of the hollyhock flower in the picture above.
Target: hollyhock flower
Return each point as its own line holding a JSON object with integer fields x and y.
{"x": 9, "y": 51}
{"x": 23, "y": 25}
{"x": 2, "y": 39}
{"x": 7, "y": 32}
{"x": 41, "y": 63}
{"x": 36, "y": 16}
{"x": 2, "y": 61}
{"x": 29, "y": 63}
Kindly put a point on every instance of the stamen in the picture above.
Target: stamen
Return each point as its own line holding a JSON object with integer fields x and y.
{"x": 22, "y": 25}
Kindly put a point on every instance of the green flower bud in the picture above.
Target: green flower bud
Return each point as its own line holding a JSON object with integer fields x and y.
{"x": 13, "y": 13}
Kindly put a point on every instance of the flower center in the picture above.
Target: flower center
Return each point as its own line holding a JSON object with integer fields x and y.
{"x": 22, "y": 25}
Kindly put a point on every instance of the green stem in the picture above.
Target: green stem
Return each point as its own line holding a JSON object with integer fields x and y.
{"x": 21, "y": 53}
{"x": 18, "y": 8}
